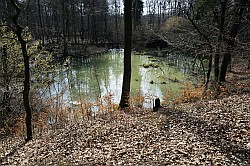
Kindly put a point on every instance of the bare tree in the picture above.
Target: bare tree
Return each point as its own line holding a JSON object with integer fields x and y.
{"x": 218, "y": 22}
{"x": 18, "y": 31}
{"x": 231, "y": 41}
{"x": 124, "y": 102}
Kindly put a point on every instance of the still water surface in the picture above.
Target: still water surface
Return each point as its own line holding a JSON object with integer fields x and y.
{"x": 88, "y": 78}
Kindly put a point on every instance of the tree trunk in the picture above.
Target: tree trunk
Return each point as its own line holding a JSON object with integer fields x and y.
{"x": 26, "y": 90}
{"x": 127, "y": 55}
{"x": 6, "y": 83}
{"x": 64, "y": 29}
{"x": 216, "y": 66}
{"x": 221, "y": 24}
{"x": 209, "y": 69}
{"x": 40, "y": 24}
{"x": 225, "y": 62}
{"x": 116, "y": 25}
{"x": 233, "y": 33}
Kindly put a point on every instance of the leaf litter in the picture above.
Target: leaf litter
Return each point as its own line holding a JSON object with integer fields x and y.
{"x": 215, "y": 133}
{"x": 206, "y": 132}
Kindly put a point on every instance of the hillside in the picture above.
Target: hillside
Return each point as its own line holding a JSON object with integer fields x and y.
{"x": 206, "y": 132}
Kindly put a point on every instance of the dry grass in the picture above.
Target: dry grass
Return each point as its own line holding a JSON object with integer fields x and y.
{"x": 59, "y": 116}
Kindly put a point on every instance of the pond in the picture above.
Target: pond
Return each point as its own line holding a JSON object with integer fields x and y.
{"x": 89, "y": 78}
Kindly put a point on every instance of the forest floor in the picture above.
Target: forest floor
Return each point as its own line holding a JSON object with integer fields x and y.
{"x": 205, "y": 132}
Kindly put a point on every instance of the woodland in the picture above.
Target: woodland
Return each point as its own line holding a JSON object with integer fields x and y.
{"x": 208, "y": 123}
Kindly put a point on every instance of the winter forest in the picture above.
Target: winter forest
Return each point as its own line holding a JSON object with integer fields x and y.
{"x": 125, "y": 82}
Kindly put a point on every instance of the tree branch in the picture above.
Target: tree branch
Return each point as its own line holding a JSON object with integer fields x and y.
{"x": 15, "y": 17}
{"x": 197, "y": 28}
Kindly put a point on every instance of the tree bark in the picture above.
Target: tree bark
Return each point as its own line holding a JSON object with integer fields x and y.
{"x": 116, "y": 25}
{"x": 216, "y": 66}
{"x": 124, "y": 102}
{"x": 40, "y": 24}
{"x": 26, "y": 90}
{"x": 233, "y": 33}
{"x": 6, "y": 83}
{"x": 209, "y": 69}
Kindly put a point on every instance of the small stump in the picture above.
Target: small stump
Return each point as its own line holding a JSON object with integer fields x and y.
{"x": 157, "y": 104}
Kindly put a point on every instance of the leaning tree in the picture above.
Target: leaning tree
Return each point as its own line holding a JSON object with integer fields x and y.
{"x": 18, "y": 30}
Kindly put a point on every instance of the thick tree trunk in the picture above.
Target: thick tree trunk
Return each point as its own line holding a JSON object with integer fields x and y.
{"x": 233, "y": 33}
{"x": 216, "y": 66}
{"x": 127, "y": 55}
{"x": 26, "y": 90}
{"x": 225, "y": 62}
{"x": 221, "y": 24}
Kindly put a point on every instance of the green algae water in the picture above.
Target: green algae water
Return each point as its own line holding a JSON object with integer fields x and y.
{"x": 89, "y": 78}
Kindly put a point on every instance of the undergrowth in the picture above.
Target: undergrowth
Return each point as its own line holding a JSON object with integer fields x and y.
{"x": 193, "y": 93}
{"x": 54, "y": 115}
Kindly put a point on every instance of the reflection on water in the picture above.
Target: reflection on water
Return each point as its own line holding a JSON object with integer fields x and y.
{"x": 87, "y": 78}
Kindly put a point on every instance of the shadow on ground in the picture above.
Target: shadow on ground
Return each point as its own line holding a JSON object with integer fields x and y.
{"x": 212, "y": 133}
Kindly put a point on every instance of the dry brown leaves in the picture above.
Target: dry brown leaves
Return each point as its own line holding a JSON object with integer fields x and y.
{"x": 212, "y": 132}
